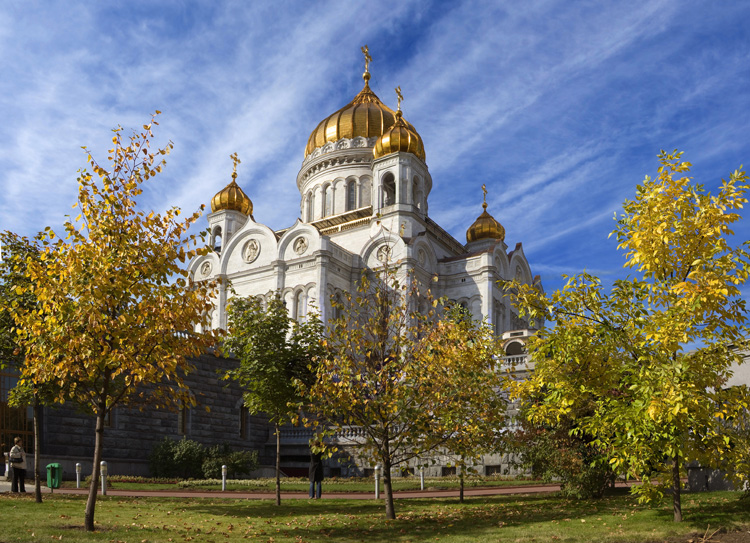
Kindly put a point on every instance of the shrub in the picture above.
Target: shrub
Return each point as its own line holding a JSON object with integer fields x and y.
{"x": 188, "y": 459}
{"x": 554, "y": 454}
{"x": 183, "y": 458}
{"x": 238, "y": 462}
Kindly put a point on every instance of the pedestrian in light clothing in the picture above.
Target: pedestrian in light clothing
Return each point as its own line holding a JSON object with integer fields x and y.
{"x": 17, "y": 458}
{"x": 316, "y": 475}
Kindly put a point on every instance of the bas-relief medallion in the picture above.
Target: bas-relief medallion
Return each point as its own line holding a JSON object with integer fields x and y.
{"x": 422, "y": 257}
{"x": 251, "y": 250}
{"x": 206, "y": 269}
{"x": 300, "y": 245}
{"x": 384, "y": 253}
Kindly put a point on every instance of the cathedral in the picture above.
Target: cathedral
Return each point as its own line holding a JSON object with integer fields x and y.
{"x": 364, "y": 197}
{"x": 364, "y": 191}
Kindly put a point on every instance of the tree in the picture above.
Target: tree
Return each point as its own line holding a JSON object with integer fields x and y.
{"x": 649, "y": 360}
{"x": 471, "y": 429}
{"x": 401, "y": 375}
{"x": 14, "y": 282}
{"x": 115, "y": 310}
{"x": 274, "y": 352}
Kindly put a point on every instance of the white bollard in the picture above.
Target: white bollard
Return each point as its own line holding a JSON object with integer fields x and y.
{"x": 78, "y": 475}
{"x": 103, "y": 466}
{"x": 421, "y": 477}
{"x": 224, "y": 477}
{"x": 377, "y": 481}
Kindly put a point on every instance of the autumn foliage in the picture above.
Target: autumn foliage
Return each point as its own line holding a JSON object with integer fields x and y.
{"x": 115, "y": 313}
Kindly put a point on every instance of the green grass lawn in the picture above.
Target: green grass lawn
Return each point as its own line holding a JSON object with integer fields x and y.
{"x": 331, "y": 485}
{"x": 518, "y": 518}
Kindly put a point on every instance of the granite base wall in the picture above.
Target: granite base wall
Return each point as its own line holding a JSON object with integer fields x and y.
{"x": 67, "y": 435}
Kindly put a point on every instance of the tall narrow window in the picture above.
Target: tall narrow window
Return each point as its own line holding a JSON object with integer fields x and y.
{"x": 243, "y": 422}
{"x": 351, "y": 196}
{"x": 389, "y": 190}
{"x": 310, "y": 207}
{"x": 300, "y": 306}
{"x": 327, "y": 202}
{"x": 182, "y": 421}
{"x": 217, "y": 239}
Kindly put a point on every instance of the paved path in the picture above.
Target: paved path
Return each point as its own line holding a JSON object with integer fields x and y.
{"x": 483, "y": 491}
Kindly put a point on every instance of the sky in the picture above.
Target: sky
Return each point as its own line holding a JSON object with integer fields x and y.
{"x": 559, "y": 107}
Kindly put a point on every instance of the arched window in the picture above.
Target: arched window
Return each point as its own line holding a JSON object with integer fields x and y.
{"x": 326, "y": 201}
{"x": 217, "y": 239}
{"x": 310, "y": 207}
{"x": 389, "y": 190}
{"x": 351, "y": 195}
{"x": 300, "y": 306}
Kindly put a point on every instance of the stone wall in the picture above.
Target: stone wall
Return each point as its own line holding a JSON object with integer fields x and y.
{"x": 68, "y": 435}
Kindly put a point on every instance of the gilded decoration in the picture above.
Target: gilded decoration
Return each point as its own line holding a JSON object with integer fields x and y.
{"x": 232, "y": 197}
{"x": 365, "y": 116}
{"x": 485, "y": 227}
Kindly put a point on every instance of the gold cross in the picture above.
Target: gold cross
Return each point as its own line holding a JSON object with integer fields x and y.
{"x": 399, "y": 96}
{"x": 368, "y": 58}
{"x": 236, "y": 161}
{"x": 484, "y": 190}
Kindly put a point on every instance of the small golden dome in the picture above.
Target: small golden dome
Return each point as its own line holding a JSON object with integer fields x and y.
{"x": 399, "y": 137}
{"x": 234, "y": 198}
{"x": 364, "y": 116}
{"x": 485, "y": 227}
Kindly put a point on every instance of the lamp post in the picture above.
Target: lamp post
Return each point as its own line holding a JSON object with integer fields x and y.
{"x": 103, "y": 466}
{"x": 78, "y": 475}
{"x": 223, "y": 477}
{"x": 421, "y": 477}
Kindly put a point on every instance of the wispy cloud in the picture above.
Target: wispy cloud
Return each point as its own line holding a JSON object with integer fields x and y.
{"x": 559, "y": 107}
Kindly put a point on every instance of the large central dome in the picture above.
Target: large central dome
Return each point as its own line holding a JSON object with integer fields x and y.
{"x": 365, "y": 116}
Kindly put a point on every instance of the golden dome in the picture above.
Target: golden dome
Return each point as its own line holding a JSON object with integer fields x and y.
{"x": 232, "y": 196}
{"x": 364, "y": 116}
{"x": 399, "y": 137}
{"x": 485, "y": 227}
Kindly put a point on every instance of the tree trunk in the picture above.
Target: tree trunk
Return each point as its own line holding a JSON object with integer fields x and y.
{"x": 461, "y": 484}
{"x": 676, "y": 504}
{"x": 91, "y": 502}
{"x": 390, "y": 511}
{"x": 37, "y": 442}
{"x": 278, "y": 464}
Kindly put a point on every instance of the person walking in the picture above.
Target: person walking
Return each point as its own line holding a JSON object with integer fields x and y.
{"x": 316, "y": 474}
{"x": 18, "y": 463}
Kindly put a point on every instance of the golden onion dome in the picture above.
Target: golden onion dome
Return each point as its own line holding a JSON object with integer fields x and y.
{"x": 364, "y": 116}
{"x": 399, "y": 137}
{"x": 234, "y": 198}
{"x": 485, "y": 227}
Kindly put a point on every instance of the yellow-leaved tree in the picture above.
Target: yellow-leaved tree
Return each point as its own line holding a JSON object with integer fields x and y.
{"x": 116, "y": 313}
{"x": 642, "y": 369}
{"x": 400, "y": 379}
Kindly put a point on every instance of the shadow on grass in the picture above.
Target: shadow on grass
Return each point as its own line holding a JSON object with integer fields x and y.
{"x": 474, "y": 520}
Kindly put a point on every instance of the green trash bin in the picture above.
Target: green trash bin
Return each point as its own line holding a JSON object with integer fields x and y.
{"x": 54, "y": 475}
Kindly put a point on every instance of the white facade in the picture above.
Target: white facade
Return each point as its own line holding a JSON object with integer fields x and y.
{"x": 355, "y": 211}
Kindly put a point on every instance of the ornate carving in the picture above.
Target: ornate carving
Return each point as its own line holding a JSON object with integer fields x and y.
{"x": 342, "y": 144}
{"x": 206, "y": 269}
{"x": 300, "y": 245}
{"x": 422, "y": 257}
{"x": 384, "y": 253}
{"x": 251, "y": 250}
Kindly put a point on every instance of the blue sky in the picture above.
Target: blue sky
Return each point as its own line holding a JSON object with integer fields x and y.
{"x": 559, "y": 107}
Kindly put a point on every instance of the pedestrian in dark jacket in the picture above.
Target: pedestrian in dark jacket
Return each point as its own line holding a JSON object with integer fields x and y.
{"x": 316, "y": 475}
